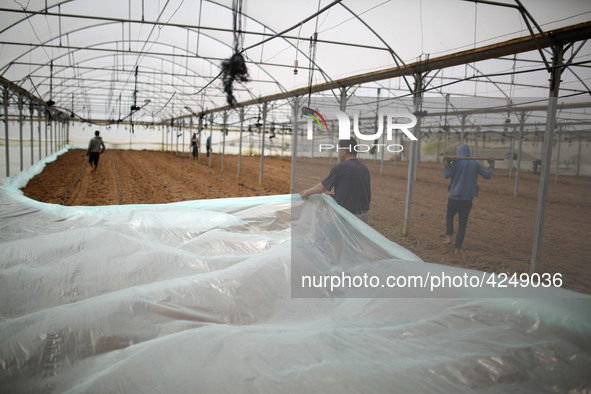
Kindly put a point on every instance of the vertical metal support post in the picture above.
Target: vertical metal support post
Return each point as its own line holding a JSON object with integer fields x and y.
{"x": 511, "y": 153}
{"x": 57, "y": 125}
{"x": 418, "y": 95}
{"x": 343, "y": 108}
{"x": 224, "y": 131}
{"x": 558, "y": 153}
{"x": 51, "y": 135}
{"x": 333, "y": 126}
{"x": 378, "y": 124}
{"x": 463, "y": 129}
{"x": 57, "y": 134}
{"x": 183, "y": 142}
{"x": 31, "y": 109}
{"x": 6, "y": 140}
{"x": 191, "y": 131}
{"x": 417, "y": 147}
{"x": 210, "y": 138}
{"x": 263, "y": 142}
{"x": 555, "y": 74}
{"x": 39, "y": 113}
{"x": 438, "y": 144}
{"x": 240, "y": 141}
{"x": 163, "y": 141}
{"x": 579, "y": 159}
{"x": 294, "y": 142}
{"x": 397, "y": 140}
{"x": 519, "y": 150}
{"x": 419, "y": 135}
{"x": 282, "y": 142}
{"x": 383, "y": 153}
{"x": 20, "y": 129}
{"x": 445, "y": 127}
{"x": 313, "y": 140}
{"x": 200, "y": 134}
{"x": 47, "y": 143}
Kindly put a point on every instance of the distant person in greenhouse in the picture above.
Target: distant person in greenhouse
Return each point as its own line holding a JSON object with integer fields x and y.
{"x": 351, "y": 181}
{"x": 96, "y": 146}
{"x": 208, "y": 145}
{"x": 195, "y": 145}
{"x": 463, "y": 187}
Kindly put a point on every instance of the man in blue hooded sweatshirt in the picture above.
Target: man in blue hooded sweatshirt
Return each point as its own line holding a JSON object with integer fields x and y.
{"x": 463, "y": 187}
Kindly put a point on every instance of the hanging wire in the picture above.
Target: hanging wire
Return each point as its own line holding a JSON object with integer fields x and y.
{"x": 474, "y": 47}
{"x": 312, "y": 55}
{"x": 50, "y": 103}
{"x": 295, "y": 63}
{"x": 281, "y": 33}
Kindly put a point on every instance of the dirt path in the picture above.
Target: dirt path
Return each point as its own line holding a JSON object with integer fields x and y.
{"x": 501, "y": 226}
{"x": 500, "y": 230}
{"x": 146, "y": 177}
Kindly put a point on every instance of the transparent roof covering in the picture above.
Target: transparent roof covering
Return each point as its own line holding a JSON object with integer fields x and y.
{"x": 97, "y": 59}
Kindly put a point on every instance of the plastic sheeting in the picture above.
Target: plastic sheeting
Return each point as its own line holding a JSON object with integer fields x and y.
{"x": 196, "y": 297}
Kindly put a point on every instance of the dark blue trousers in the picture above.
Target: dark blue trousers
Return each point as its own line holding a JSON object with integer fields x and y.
{"x": 462, "y": 208}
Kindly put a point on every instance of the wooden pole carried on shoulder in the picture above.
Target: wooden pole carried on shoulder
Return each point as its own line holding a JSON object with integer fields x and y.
{"x": 452, "y": 158}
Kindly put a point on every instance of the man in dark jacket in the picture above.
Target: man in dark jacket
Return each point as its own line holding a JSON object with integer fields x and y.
{"x": 96, "y": 146}
{"x": 463, "y": 187}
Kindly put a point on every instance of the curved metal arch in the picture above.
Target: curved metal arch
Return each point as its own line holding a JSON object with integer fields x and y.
{"x": 157, "y": 76}
{"x": 90, "y": 59}
{"x": 150, "y": 68}
{"x": 439, "y": 90}
{"x": 325, "y": 75}
{"x": 43, "y": 80}
{"x": 28, "y": 16}
{"x": 160, "y": 43}
{"x": 76, "y": 50}
{"x": 78, "y": 89}
{"x": 394, "y": 54}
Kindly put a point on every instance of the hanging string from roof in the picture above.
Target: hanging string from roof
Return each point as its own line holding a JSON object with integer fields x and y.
{"x": 295, "y": 62}
{"x": 134, "y": 107}
{"x": 312, "y": 55}
{"x": 50, "y": 103}
{"x": 234, "y": 68}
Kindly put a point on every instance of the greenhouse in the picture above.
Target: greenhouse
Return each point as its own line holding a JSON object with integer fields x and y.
{"x": 191, "y": 259}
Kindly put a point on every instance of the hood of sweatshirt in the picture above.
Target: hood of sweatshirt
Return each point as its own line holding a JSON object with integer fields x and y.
{"x": 464, "y": 151}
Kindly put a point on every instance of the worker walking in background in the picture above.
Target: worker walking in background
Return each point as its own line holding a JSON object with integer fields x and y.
{"x": 208, "y": 145}
{"x": 96, "y": 146}
{"x": 463, "y": 187}
{"x": 195, "y": 145}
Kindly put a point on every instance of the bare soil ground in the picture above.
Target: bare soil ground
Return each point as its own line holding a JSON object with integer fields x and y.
{"x": 500, "y": 230}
